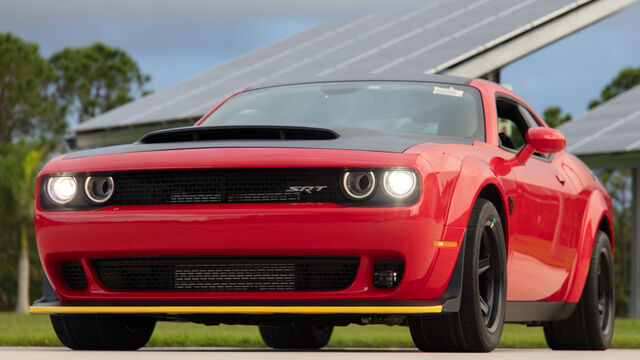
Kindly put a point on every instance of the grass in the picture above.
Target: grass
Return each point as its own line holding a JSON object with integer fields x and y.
{"x": 36, "y": 330}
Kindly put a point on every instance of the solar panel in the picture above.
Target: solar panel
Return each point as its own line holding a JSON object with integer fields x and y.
{"x": 612, "y": 127}
{"x": 418, "y": 41}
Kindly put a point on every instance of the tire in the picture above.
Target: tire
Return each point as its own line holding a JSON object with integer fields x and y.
{"x": 296, "y": 337}
{"x": 477, "y": 326}
{"x": 590, "y": 326}
{"x": 103, "y": 332}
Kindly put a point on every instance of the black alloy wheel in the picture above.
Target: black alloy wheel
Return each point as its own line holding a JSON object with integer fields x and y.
{"x": 590, "y": 326}
{"x": 477, "y": 326}
{"x": 489, "y": 280}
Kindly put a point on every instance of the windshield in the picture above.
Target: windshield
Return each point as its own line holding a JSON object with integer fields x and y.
{"x": 394, "y": 107}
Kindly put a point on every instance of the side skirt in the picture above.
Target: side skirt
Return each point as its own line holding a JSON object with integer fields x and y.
{"x": 533, "y": 312}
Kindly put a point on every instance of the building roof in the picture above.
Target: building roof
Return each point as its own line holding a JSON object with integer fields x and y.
{"x": 457, "y": 37}
{"x": 610, "y": 128}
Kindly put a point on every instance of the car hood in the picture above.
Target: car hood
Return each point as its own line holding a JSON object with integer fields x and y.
{"x": 271, "y": 137}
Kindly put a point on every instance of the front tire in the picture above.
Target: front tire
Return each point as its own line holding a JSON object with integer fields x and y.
{"x": 296, "y": 337}
{"x": 590, "y": 326}
{"x": 103, "y": 332}
{"x": 477, "y": 327}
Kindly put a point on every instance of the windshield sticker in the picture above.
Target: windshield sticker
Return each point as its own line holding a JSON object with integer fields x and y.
{"x": 448, "y": 91}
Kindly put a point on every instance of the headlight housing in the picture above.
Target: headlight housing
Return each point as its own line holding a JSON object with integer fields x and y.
{"x": 380, "y": 186}
{"x": 63, "y": 192}
{"x": 61, "y": 189}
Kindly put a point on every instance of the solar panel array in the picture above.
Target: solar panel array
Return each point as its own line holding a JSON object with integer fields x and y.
{"x": 422, "y": 40}
{"x": 609, "y": 128}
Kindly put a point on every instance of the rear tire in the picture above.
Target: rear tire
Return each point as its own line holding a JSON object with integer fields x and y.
{"x": 590, "y": 326}
{"x": 477, "y": 326}
{"x": 103, "y": 332}
{"x": 296, "y": 337}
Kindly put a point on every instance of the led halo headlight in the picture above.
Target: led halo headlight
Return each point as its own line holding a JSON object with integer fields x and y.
{"x": 61, "y": 189}
{"x": 98, "y": 188}
{"x": 399, "y": 184}
{"x": 358, "y": 185}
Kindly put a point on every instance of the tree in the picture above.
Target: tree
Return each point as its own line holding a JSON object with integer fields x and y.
{"x": 18, "y": 167}
{"x": 95, "y": 79}
{"x": 26, "y": 105}
{"x": 626, "y": 79}
{"x": 618, "y": 185}
{"x": 554, "y": 117}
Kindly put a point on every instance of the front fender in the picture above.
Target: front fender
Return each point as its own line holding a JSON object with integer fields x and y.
{"x": 473, "y": 177}
{"x": 595, "y": 211}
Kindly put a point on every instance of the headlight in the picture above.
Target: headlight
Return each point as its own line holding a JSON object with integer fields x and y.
{"x": 399, "y": 183}
{"x": 358, "y": 185}
{"x": 98, "y": 188}
{"x": 61, "y": 189}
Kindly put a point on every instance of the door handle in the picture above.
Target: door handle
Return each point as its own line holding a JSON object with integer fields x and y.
{"x": 560, "y": 179}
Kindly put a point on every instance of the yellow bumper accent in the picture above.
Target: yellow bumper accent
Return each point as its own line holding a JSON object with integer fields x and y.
{"x": 257, "y": 310}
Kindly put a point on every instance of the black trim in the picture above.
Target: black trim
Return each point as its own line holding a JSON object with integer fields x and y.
{"x": 241, "y": 132}
{"x": 48, "y": 294}
{"x": 452, "y": 296}
{"x": 537, "y": 311}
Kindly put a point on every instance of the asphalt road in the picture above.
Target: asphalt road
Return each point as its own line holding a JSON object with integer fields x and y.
{"x": 17, "y": 353}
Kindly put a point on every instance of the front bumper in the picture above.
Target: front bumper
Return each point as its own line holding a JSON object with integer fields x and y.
{"x": 404, "y": 233}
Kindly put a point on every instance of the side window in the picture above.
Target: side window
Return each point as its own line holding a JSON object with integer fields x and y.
{"x": 511, "y": 125}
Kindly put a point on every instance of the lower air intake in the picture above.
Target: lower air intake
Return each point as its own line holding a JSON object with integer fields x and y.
{"x": 227, "y": 273}
{"x": 73, "y": 275}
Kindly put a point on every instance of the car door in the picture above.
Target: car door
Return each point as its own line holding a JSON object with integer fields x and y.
{"x": 539, "y": 248}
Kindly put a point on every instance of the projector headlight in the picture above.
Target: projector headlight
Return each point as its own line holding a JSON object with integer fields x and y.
{"x": 61, "y": 189}
{"x": 98, "y": 188}
{"x": 358, "y": 185}
{"x": 399, "y": 184}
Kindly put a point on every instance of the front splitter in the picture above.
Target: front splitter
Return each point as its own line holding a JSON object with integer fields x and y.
{"x": 249, "y": 310}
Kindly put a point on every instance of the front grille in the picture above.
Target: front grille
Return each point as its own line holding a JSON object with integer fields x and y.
{"x": 296, "y": 185}
{"x": 214, "y": 273}
{"x": 74, "y": 275}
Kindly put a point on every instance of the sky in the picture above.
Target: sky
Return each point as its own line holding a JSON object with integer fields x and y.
{"x": 175, "y": 40}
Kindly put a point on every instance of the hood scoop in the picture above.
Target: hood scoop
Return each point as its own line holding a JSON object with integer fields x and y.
{"x": 217, "y": 133}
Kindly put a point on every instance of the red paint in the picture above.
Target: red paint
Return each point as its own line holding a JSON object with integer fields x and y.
{"x": 217, "y": 106}
{"x": 558, "y": 207}
{"x": 545, "y": 140}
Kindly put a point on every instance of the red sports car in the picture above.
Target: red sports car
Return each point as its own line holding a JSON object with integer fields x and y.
{"x": 439, "y": 203}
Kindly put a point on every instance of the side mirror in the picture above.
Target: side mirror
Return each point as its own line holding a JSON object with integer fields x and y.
{"x": 543, "y": 140}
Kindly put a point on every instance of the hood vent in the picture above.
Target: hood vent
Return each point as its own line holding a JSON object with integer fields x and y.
{"x": 215, "y": 133}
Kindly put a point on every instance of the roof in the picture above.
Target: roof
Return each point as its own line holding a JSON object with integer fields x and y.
{"x": 440, "y": 36}
{"x": 611, "y": 127}
{"x": 443, "y": 79}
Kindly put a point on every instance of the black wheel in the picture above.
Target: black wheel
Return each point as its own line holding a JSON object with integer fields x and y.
{"x": 478, "y": 325}
{"x": 103, "y": 332}
{"x": 590, "y": 326}
{"x": 296, "y": 337}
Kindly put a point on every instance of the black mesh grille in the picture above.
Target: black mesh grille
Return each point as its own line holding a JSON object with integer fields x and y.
{"x": 227, "y": 186}
{"x": 227, "y": 273}
{"x": 74, "y": 275}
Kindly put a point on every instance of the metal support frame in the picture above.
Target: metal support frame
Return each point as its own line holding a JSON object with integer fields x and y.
{"x": 635, "y": 245}
{"x": 493, "y": 76}
{"x": 519, "y": 43}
